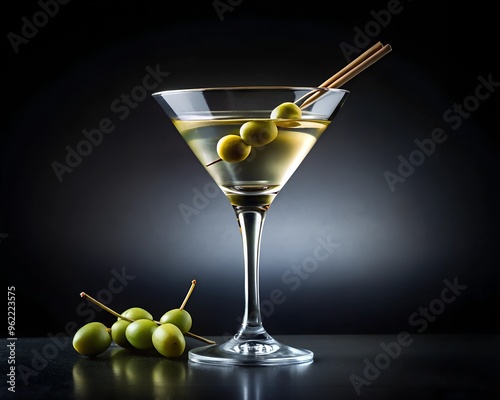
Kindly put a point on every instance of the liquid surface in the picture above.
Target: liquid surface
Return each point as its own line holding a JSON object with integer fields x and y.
{"x": 257, "y": 179}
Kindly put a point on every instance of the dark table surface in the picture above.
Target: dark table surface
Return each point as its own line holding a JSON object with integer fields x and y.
{"x": 423, "y": 366}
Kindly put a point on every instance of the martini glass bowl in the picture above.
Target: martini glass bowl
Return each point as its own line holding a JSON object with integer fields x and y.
{"x": 251, "y": 177}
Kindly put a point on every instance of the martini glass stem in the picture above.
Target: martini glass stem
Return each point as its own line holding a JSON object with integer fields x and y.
{"x": 251, "y": 221}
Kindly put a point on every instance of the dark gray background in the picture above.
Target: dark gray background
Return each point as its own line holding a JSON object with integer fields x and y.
{"x": 119, "y": 208}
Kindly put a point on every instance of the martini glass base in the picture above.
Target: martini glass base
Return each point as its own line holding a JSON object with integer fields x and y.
{"x": 250, "y": 352}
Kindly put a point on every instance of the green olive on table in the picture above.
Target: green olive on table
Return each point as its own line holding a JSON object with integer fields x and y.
{"x": 168, "y": 340}
{"x": 139, "y": 333}
{"x": 136, "y": 313}
{"x": 92, "y": 339}
{"x": 118, "y": 333}
{"x": 178, "y": 317}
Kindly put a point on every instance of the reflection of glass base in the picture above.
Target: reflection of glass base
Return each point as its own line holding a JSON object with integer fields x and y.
{"x": 250, "y": 352}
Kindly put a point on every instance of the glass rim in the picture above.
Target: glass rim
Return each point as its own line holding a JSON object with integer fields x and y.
{"x": 252, "y": 87}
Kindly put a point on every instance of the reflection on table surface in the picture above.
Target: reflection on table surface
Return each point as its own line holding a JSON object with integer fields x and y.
{"x": 126, "y": 374}
{"x": 345, "y": 367}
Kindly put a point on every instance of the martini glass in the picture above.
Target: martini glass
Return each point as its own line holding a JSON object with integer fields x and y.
{"x": 203, "y": 117}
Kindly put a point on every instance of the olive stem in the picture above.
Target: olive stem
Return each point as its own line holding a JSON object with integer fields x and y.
{"x": 98, "y": 303}
{"x": 213, "y": 162}
{"x": 188, "y": 295}
{"x": 190, "y": 334}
